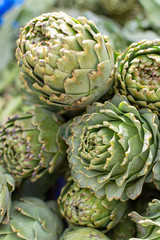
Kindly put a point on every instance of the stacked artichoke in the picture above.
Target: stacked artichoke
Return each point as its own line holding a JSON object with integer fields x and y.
{"x": 107, "y": 151}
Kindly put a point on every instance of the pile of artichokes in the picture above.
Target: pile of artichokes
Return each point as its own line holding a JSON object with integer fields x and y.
{"x": 93, "y": 123}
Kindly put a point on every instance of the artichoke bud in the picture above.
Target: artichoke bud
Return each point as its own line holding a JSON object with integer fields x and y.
{"x": 81, "y": 207}
{"x": 137, "y": 74}
{"x": 84, "y": 233}
{"x": 113, "y": 148}
{"x": 7, "y": 186}
{"x": 66, "y": 61}
{"x": 29, "y": 145}
{"x": 148, "y": 225}
{"x": 31, "y": 218}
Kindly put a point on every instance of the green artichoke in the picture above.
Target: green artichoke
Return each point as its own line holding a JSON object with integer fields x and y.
{"x": 7, "y": 186}
{"x": 137, "y": 74}
{"x": 29, "y": 145}
{"x": 31, "y": 219}
{"x": 113, "y": 147}
{"x": 66, "y": 61}
{"x": 84, "y": 233}
{"x": 81, "y": 207}
{"x": 148, "y": 225}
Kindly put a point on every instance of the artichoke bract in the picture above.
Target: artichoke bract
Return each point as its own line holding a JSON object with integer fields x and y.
{"x": 31, "y": 219}
{"x": 7, "y": 186}
{"x": 81, "y": 207}
{"x": 29, "y": 144}
{"x": 148, "y": 225}
{"x": 66, "y": 61}
{"x": 113, "y": 147}
{"x": 84, "y": 233}
{"x": 137, "y": 74}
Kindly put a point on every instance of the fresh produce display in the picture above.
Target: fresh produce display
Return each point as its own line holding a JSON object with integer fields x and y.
{"x": 80, "y": 120}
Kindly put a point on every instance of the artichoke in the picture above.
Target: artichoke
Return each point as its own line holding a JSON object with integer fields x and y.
{"x": 148, "y": 225}
{"x": 66, "y": 61}
{"x": 31, "y": 219}
{"x": 84, "y": 233}
{"x": 28, "y": 144}
{"x": 7, "y": 186}
{"x": 81, "y": 207}
{"x": 113, "y": 147}
{"x": 137, "y": 74}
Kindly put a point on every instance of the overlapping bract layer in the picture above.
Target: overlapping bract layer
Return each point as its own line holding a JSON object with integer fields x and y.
{"x": 84, "y": 233}
{"x": 137, "y": 74}
{"x": 7, "y": 186}
{"x": 28, "y": 144}
{"x": 31, "y": 219}
{"x": 148, "y": 225}
{"x": 65, "y": 60}
{"x": 81, "y": 207}
{"x": 113, "y": 147}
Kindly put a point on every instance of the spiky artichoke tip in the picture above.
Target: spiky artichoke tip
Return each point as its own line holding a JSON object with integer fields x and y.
{"x": 66, "y": 61}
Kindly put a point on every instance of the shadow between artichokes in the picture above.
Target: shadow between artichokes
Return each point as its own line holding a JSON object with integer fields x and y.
{"x": 66, "y": 61}
{"x": 137, "y": 74}
{"x": 81, "y": 207}
{"x": 30, "y": 145}
{"x": 113, "y": 148}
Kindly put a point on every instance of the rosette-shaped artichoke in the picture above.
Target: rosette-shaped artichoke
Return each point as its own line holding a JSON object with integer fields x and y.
{"x": 113, "y": 147}
{"x": 7, "y": 186}
{"x": 84, "y": 233}
{"x": 29, "y": 145}
{"x": 31, "y": 219}
{"x": 137, "y": 74}
{"x": 81, "y": 207}
{"x": 148, "y": 225}
{"x": 66, "y": 61}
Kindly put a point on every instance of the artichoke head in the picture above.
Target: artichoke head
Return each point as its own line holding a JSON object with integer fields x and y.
{"x": 137, "y": 74}
{"x": 31, "y": 219}
{"x": 84, "y": 233}
{"x": 81, "y": 207}
{"x": 113, "y": 147}
{"x": 29, "y": 145}
{"x": 149, "y": 224}
{"x": 66, "y": 61}
{"x": 7, "y": 186}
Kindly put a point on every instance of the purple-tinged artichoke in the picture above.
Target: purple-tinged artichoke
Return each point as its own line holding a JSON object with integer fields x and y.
{"x": 113, "y": 147}
{"x": 81, "y": 207}
{"x": 66, "y": 61}
{"x": 29, "y": 144}
{"x": 137, "y": 74}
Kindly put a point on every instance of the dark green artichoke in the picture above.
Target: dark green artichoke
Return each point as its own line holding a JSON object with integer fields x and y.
{"x": 84, "y": 233}
{"x": 31, "y": 219}
{"x": 81, "y": 207}
{"x": 66, "y": 61}
{"x": 137, "y": 74}
{"x": 113, "y": 147}
{"x": 7, "y": 186}
{"x": 149, "y": 224}
{"x": 29, "y": 145}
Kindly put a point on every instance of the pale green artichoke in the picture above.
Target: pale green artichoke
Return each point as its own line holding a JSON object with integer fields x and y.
{"x": 84, "y": 233}
{"x": 29, "y": 144}
{"x": 81, "y": 207}
{"x": 137, "y": 74}
{"x": 148, "y": 225}
{"x": 113, "y": 147}
{"x": 66, "y": 61}
{"x": 7, "y": 186}
{"x": 31, "y": 219}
